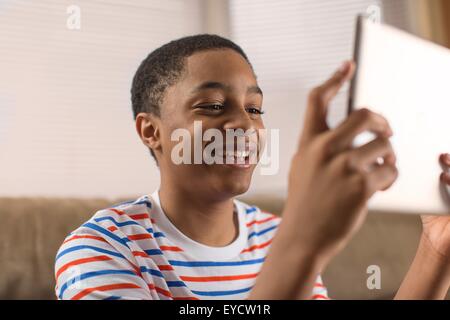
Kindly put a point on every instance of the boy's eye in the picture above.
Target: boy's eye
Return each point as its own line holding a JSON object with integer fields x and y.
{"x": 215, "y": 107}
{"x": 254, "y": 110}
{"x": 212, "y": 107}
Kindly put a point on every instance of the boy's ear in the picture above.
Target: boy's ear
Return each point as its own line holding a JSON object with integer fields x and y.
{"x": 147, "y": 127}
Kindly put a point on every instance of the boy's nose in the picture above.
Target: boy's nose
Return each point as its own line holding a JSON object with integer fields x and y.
{"x": 239, "y": 119}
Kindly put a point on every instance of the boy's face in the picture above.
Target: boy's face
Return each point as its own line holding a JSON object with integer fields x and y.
{"x": 232, "y": 100}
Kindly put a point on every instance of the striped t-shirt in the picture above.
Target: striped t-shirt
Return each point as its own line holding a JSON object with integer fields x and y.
{"x": 133, "y": 251}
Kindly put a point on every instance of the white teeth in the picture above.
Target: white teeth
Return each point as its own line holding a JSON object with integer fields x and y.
{"x": 236, "y": 154}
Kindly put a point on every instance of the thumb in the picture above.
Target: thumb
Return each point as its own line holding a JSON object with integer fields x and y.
{"x": 320, "y": 97}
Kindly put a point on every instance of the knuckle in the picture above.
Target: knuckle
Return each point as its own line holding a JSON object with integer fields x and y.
{"x": 349, "y": 162}
{"x": 387, "y": 147}
{"x": 385, "y": 143}
{"x": 316, "y": 93}
{"x": 365, "y": 114}
{"x": 363, "y": 184}
{"x": 346, "y": 161}
{"x": 325, "y": 145}
{"x": 319, "y": 146}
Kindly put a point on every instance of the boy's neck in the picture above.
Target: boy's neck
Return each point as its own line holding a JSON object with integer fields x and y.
{"x": 209, "y": 222}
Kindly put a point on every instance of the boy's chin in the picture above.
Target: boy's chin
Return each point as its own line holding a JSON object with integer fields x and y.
{"x": 235, "y": 188}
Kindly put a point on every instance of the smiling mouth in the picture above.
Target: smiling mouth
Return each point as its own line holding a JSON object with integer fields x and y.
{"x": 242, "y": 158}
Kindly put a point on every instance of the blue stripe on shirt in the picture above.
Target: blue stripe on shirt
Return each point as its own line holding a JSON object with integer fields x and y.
{"x": 153, "y": 252}
{"x": 220, "y": 293}
{"x": 116, "y": 223}
{"x": 76, "y": 248}
{"x": 158, "y": 235}
{"x": 113, "y": 298}
{"x": 144, "y": 201}
{"x": 176, "y": 284}
{"x": 106, "y": 233}
{"x": 254, "y": 233}
{"x": 92, "y": 274}
{"x": 153, "y": 272}
{"x": 155, "y": 234}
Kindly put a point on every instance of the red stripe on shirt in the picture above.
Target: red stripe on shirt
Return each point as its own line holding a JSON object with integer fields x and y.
{"x": 319, "y": 296}
{"x": 135, "y": 216}
{"x": 140, "y": 254}
{"x": 87, "y": 236}
{"x": 140, "y": 236}
{"x": 170, "y": 248}
{"x": 107, "y": 287}
{"x": 261, "y": 221}
{"x": 319, "y": 285}
{"x": 257, "y": 246}
{"x": 80, "y": 261}
{"x": 139, "y": 216}
{"x": 119, "y": 212}
{"x": 219, "y": 278}
{"x": 165, "y": 267}
{"x": 160, "y": 290}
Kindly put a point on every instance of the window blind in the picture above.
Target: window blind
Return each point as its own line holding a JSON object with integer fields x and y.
{"x": 293, "y": 46}
{"x": 66, "y": 126}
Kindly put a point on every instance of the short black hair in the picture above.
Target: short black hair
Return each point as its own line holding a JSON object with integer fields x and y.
{"x": 165, "y": 65}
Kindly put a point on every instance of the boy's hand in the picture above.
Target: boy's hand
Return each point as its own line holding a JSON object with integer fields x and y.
{"x": 436, "y": 229}
{"x": 329, "y": 181}
{"x": 329, "y": 184}
{"x": 429, "y": 274}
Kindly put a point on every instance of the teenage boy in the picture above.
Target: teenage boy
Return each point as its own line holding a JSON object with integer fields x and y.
{"x": 191, "y": 239}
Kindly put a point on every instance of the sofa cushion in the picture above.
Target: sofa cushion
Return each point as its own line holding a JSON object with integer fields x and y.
{"x": 32, "y": 229}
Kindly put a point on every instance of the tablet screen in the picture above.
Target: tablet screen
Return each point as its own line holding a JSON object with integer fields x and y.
{"x": 407, "y": 80}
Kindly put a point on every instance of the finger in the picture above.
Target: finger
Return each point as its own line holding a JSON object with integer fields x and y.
{"x": 320, "y": 97}
{"x": 445, "y": 177}
{"x": 357, "y": 122}
{"x": 364, "y": 158}
{"x": 445, "y": 159}
{"x": 331, "y": 87}
{"x": 381, "y": 178}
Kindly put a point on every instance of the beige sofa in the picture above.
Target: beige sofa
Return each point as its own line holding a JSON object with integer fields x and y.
{"x": 31, "y": 230}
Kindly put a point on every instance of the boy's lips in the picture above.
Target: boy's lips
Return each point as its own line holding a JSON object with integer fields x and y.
{"x": 241, "y": 156}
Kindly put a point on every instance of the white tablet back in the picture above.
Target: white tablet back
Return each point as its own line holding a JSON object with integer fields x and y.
{"x": 407, "y": 80}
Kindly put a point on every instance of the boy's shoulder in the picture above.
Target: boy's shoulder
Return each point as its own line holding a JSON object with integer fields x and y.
{"x": 254, "y": 213}
{"x": 137, "y": 209}
{"x": 122, "y": 216}
{"x": 138, "y": 214}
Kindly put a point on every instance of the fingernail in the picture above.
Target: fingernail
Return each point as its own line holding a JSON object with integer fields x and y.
{"x": 444, "y": 157}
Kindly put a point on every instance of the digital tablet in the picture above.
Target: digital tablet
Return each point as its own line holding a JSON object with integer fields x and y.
{"x": 407, "y": 80}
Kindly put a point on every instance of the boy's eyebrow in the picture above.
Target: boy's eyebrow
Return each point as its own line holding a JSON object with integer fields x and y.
{"x": 218, "y": 85}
